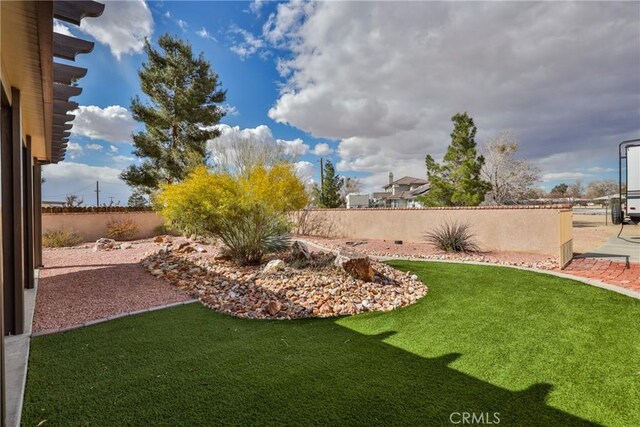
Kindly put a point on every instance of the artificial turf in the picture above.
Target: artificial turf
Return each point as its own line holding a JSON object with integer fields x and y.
{"x": 535, "y": 349}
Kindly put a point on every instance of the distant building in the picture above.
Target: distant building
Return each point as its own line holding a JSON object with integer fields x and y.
{"x": 401, "y": 193}
{"x": 357, "y": 200}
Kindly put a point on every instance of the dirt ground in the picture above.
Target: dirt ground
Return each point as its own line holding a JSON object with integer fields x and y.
{"x": 590, "y": 232}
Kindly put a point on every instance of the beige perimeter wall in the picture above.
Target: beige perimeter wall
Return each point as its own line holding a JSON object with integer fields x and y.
{"x": 535, "y": 230}
{"x": 93, "y": 225}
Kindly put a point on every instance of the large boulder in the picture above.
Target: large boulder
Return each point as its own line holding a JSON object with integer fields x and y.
{"x": 355, "y": 264}
{"x": 300, "y": 251}
{"x": 273, "y": 266}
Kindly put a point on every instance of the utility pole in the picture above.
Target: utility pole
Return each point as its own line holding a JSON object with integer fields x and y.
{"x": 321, "y": 172}
{"x": 97, "y": 194}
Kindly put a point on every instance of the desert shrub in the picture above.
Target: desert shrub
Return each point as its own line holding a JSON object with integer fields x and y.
{"x": 60, "y": 238}
{"x": 124, "y": 229}
{"x": 452, "y": 236}
{"x": 246, "y": 212}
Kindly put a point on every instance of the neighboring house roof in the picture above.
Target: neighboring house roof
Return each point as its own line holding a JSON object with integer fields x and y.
{"x": 420, "y": 190}
{"x": 407, "y": 180}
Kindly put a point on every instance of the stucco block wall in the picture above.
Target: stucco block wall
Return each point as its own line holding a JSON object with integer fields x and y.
{"x": 533, "y": 230}
{"x": 93, "y": 225}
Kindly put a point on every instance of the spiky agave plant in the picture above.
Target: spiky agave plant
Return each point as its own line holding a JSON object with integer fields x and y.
{"x": 452, "y": 236}
{"x": 255, "y": 232}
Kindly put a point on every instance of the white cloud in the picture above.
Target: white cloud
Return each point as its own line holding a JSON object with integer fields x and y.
{"x": 286, "y": 20}
{"x": 294, "y": 147}
{"x": 113, "y": 124}
{"x": 599, "y": 169}
{"x": 182, "y": 24}
{"x": 123, "y": 159}
{"x": 123, "y": 26}
{"x": 244, "y": 44}
{"x": 74, "y": 150}
{"x": 167, "y": 14}
{"x": 322, "y": 149}
{"x": 256, "y": 6}
{"x": 352, "y": 75}
{"x": 230, "y": 110}
{"x": 113, "y": 148}
{"x": 59, "y": 27}
{"x": 205, "y": 34}
{"x": 566, "y": 176}
{"x": 80, "y": 179}
{"x": 304, "y": 170}
{"x": 95, "y": 147}
{"x": 73, "y": 146}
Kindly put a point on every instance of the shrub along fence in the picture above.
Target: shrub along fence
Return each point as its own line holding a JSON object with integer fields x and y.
{"x": 534, "y": 229}
{"x": 91, "y": 223}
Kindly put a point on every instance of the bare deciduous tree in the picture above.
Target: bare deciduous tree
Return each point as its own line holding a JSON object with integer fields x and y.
{"x": 602, "y": 188}
{"x": 73, "y": 201}
{"x": 242, "y": 154}
{"x": 576, "y": 190}
{"x": 351, "y": 185}
{"x": 512, "y": 180}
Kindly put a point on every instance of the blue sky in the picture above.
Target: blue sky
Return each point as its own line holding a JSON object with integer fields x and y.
{"x": 372, "y": 86}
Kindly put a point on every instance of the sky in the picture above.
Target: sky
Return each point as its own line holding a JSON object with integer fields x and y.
{"x": 372, "y": 86}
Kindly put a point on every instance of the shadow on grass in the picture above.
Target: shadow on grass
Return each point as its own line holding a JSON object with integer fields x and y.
{"x": 191, "y": 366}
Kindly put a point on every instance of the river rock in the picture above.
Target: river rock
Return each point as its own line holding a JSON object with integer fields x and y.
{"x": 355, "y": 264}
{"x": 274, "y": 307}
{"x": 104, "y": 244}
{"x": 273, "y": 266}
{"x": 300, "y": 251}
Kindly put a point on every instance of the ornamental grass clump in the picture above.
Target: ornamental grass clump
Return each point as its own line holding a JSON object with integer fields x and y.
{"x": 125, "y": 229}
{"x": 452, "y": 236}
{"x": 247, "y": 212}
{"x": 60, "y": 239}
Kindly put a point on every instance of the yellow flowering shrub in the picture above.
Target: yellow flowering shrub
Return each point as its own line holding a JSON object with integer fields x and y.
{"x": 247, "y": 212}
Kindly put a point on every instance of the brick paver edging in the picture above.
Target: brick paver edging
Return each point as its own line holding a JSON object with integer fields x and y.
{"x": 115, "y": 316}
{"x": 592, "y": 282}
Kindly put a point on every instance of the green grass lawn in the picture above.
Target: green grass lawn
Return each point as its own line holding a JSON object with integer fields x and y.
{"x": 536, "y": 349}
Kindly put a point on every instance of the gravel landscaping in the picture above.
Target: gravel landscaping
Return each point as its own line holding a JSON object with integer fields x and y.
{"x": 78, "y": 285}
{"x": 386, "y": 248}
{"x": 285, "y": 288}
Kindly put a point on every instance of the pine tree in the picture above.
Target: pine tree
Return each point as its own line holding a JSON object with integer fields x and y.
{"x": 328, "y": 195}
{"x": 457, "y": 181}
{"x": 137, "y": 199}
{"x": 179, "y": 120}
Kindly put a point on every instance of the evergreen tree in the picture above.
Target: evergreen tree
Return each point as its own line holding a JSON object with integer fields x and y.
{"x": 328, "y": 195}
{"x": 457, "y": 182}
{"x": 137, "y": 199}
{"x": 179, "y": 120}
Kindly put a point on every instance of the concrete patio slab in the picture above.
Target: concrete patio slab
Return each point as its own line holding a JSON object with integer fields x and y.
{"x": 16, "y": 361}
{"x": 618, "y": 249}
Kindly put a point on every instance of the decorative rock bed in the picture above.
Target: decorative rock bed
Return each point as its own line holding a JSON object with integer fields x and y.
{"x": 393, "y": 250}
{"x": 314, "y": 287}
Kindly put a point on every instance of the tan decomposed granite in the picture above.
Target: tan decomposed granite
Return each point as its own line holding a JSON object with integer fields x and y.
{"x": 393, "y": 249}
{"x": 78, "y": 285}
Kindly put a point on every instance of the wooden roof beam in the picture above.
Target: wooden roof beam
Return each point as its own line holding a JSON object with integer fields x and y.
{"x": 67, "y": 74}
{"x": 74, "y": 11}
{"x": 65, "y": 92}
{"x": 66, "y": 47}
